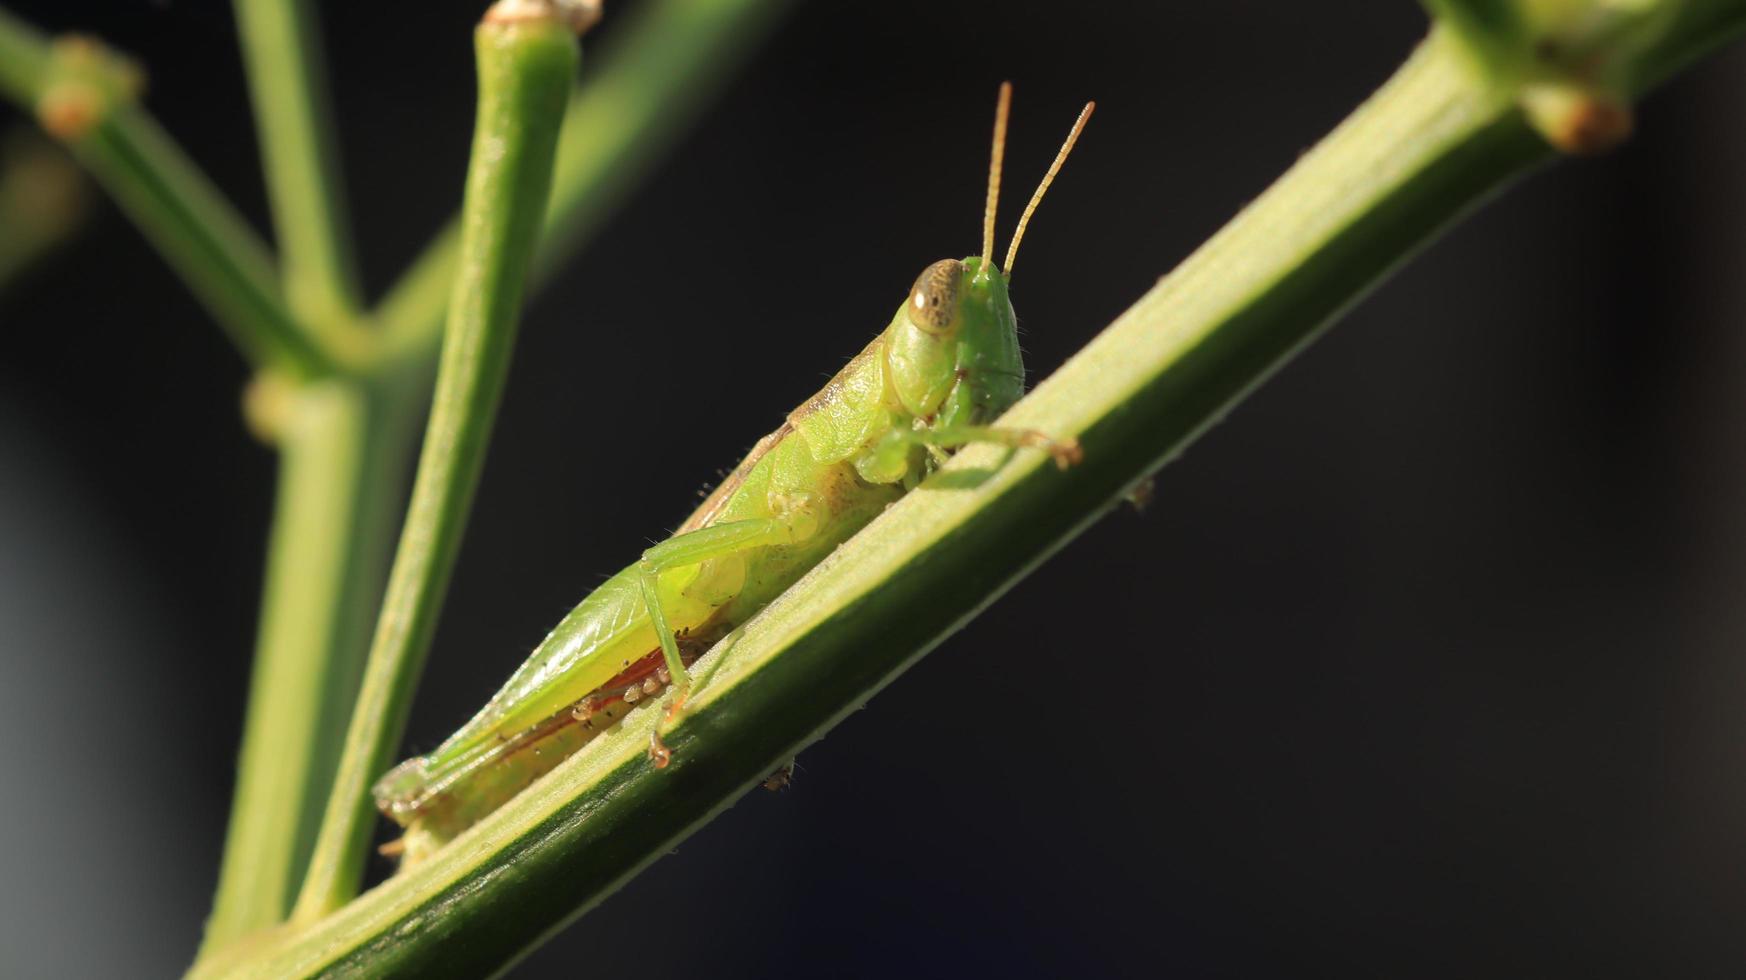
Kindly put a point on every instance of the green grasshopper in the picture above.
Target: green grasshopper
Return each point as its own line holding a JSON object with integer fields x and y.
{"x": 946, "y": 366}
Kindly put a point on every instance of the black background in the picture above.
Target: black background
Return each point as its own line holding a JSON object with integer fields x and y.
{"x": 1427, "y": 661}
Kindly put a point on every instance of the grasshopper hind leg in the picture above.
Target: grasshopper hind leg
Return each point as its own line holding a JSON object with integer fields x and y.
{"x": 694, "y": 548}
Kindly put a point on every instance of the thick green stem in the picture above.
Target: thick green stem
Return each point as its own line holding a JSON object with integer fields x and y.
{"x": 641, "y": 95}
{"x": 526, "y": 68}
{"x": 341, "y": 451}
{"x": 83, "y": 96}
{"x": 282, "y": 51}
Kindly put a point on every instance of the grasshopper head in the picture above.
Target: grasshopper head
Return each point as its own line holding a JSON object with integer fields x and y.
{"x": 953, "y": 349}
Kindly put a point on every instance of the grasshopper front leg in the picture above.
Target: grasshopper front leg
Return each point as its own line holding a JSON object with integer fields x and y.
{"x": 889, "y": 457}
{"x": 1065, "y": 452}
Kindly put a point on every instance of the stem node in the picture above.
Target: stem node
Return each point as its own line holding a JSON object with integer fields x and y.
{"x": 577, "y": 15}
{"x": 85, "y": 82}
{"x": 1577, "y": 121}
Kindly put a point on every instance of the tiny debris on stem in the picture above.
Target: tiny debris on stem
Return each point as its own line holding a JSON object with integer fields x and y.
{"x": 86, "y": 83}
{"x": 781, "y": 779}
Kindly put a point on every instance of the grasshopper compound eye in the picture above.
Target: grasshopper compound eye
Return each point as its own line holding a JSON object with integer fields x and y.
{"x": 933, "y": 301}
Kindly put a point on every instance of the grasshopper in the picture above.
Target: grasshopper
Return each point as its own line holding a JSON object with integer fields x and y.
{"x": 945, "y": 367}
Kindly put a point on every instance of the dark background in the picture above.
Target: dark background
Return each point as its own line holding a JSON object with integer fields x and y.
{"x": 1428, "y": 658}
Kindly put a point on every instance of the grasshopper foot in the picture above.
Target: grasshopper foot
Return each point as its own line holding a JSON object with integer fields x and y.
{"x": 1065, "y": 452}
{"x": 659, "y": 753}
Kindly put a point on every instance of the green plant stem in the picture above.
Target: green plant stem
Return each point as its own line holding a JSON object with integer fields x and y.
{"x": 641, "y": 94}
{"x": 1492, "y": 29}
{"x": 195, "y": 230}
{"x": 24, "y": 59}
{"x": 342, "y": 445}
{"x": 1432, "y": 143}
{"x": 526, "y": 69}
{"x": 177, "y": 209}
{"x": 282, "y": 51}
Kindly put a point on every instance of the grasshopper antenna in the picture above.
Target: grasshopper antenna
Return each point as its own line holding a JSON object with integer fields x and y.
{"x": 1002, "y": 109}
{"x": 1048, "y": 178}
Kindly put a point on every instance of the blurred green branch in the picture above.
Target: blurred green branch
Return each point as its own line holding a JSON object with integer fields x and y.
{"x": 342, "y": 445}
{"x": 282, "y": 52}
{"x": 84, "y": 96}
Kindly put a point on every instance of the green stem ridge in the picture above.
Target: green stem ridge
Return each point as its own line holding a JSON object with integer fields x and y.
{"x": 341, "y": 449}
{"x": 282, "y": 52}
{"x": 526, "y": 69}
{"x": 641, "y": 94}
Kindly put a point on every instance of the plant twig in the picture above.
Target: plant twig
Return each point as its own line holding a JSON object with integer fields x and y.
{"x": 24, "y": 59}
{"x": 527, "y": 64}
{"x": 282, "y": 51}
{"x": 1494, "y": 30}
{"x": 642, "y": 92}
{"x": 342, "y": 445}
{"x": 83, "y": 95}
